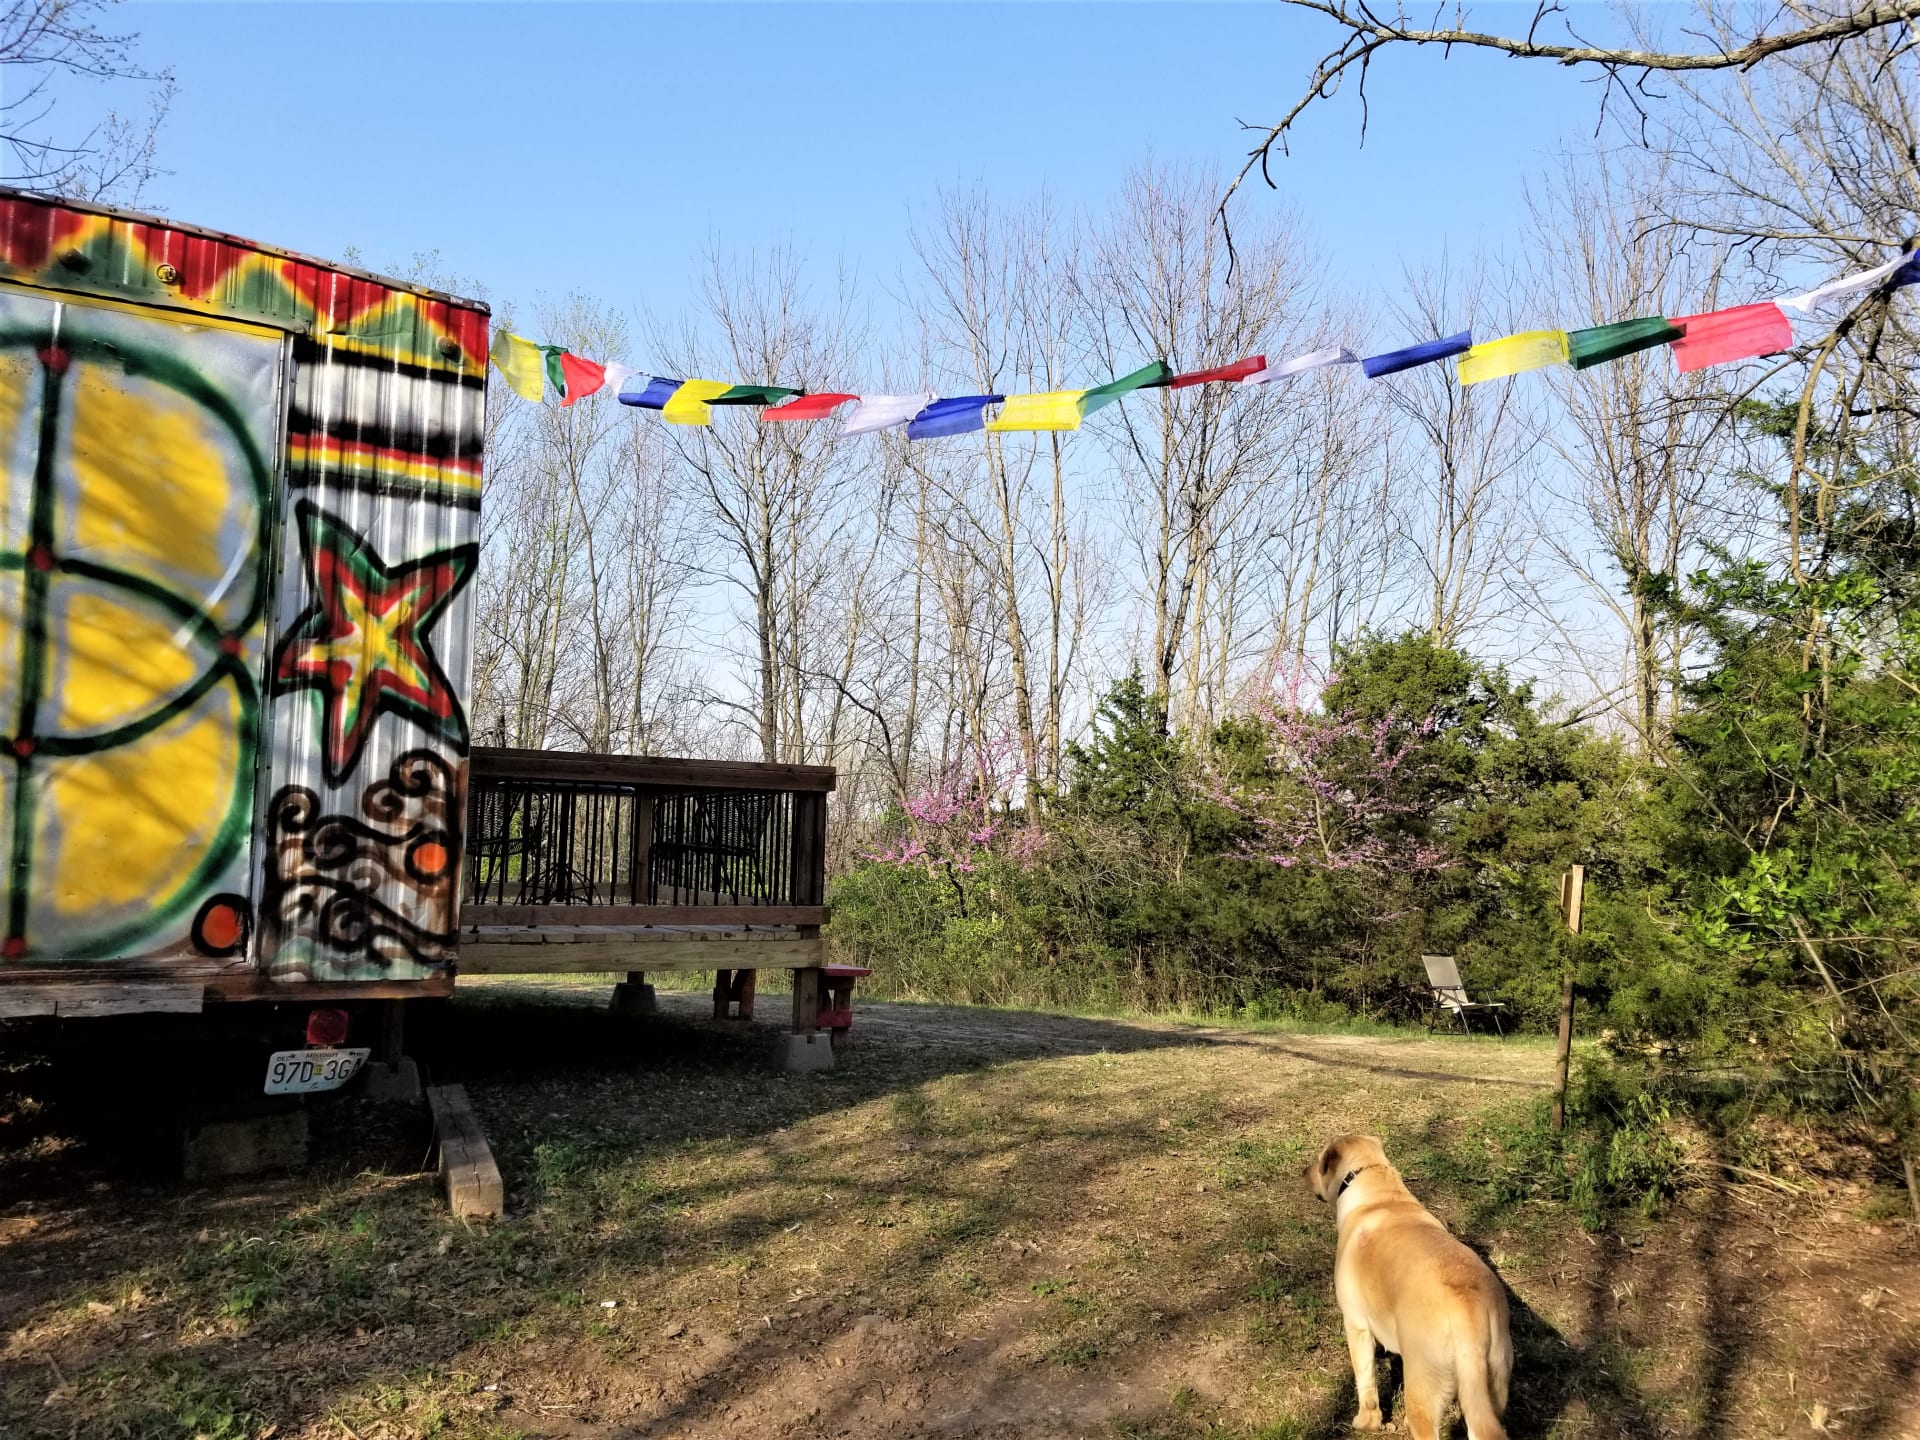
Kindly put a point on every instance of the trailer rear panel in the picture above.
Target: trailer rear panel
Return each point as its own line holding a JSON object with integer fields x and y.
{"x": 238, "y": 531}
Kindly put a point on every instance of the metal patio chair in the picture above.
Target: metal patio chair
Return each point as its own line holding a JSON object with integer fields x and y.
{"x": 1450, "y": 994}
{"x": 713, "y": 843}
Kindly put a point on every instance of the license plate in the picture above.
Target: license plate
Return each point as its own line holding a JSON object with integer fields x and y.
{"x": 302, "y": 1072}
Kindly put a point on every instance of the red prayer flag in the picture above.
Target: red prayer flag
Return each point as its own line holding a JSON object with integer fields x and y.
{"x": 1239, "y": 370}
{"x": 807, "y": 407}
{"x": 1737, "y": 334}
{"x": 583, "y": 376}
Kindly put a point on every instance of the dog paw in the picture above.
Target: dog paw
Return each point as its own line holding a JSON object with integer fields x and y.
{"x": 1369, "y": 1418}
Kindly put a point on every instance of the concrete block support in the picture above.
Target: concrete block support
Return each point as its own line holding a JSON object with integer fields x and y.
{"x": 634, "y": 996}
{"x": 395, "y": 1084}
{"x": 801, "y": 1053}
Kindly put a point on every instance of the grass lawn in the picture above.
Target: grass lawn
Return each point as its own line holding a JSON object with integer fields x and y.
{"x": 982, "y": 1223}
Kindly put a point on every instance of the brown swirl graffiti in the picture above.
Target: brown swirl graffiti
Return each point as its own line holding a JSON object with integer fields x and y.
{"x": 345, "y": 898}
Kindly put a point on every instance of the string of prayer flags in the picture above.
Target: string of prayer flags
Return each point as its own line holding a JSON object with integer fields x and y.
{"x": 520, "y": 364}
{"x": 959, "y": 415}
{"x": 883, "y": 412}
{"x": 1495, "y": 359}
{"x": 1740, "y": 333}
{"x": 1714, "y": 338}
{"x": 1598, "y": 344}
{"x": 654, "y": 396}
{"x": 1301, "y": 364}
{"x": 809, "y": 407}
{"x": 582, "y": 377}
{"x": 689, "y": 404}
{"x": 1425, "y": 353}
{"x": 1100, "y": 396}
{"x": 1238, "y": 370}
{"x": 754, "y": 395}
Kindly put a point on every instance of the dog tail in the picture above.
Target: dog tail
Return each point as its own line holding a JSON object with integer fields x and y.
{"x": 1481, "y": 1370}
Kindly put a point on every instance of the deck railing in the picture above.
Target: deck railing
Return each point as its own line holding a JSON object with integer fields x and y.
{"x": 562, "y": 838}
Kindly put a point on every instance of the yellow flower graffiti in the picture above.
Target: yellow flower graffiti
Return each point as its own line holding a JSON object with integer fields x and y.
{"x": 131, "y": 630}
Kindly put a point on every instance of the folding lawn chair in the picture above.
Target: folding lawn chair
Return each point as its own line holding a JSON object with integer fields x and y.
{"x": 1450, "y": 993}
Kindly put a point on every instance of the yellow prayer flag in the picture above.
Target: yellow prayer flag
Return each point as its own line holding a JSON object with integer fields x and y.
{"x": 1493, "y": 359}
{"x": 688, "y": 405}
{"x": 1050, "y": 410}
{"x": 521, "y": 364}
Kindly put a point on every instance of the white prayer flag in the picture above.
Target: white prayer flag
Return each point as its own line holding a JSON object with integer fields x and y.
{"x": 1845, "y": 286}
{"x": 618, "y": 375}
{"x": 1300, "y": 364}
{"x": 883, "y": 412}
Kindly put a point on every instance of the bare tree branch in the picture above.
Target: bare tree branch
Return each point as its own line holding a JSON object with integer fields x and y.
{"x": 1368, "y": 32}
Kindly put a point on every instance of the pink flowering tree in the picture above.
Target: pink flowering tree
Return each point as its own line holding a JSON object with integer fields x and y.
{"x": 1330, "y": 792}
{"x": 962, "y": 815}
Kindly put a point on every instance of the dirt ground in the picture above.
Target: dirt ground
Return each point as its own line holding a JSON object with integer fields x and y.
{"x": 981, "y": 1224}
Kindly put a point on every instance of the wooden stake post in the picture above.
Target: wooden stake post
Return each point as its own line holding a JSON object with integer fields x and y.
{"x": 1573, "y": 888}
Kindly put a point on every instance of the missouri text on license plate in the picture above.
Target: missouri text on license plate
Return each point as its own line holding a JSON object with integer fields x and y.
{"x": 301, "y": 1072}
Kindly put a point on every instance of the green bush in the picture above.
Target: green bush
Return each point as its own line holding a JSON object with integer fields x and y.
{"x": 1145, "y": 890}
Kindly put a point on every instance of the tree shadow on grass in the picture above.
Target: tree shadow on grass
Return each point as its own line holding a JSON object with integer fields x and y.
{"x": 576, "y": 1100}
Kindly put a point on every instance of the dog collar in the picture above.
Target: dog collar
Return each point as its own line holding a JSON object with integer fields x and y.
{"x": 1348, "y": 1180}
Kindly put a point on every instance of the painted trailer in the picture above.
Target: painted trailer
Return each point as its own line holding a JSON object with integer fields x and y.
{"x": 239, "y": 526}
{"x": 238, "y": 534}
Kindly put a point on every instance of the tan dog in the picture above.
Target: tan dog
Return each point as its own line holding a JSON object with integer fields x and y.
{"x": 1403, "y": 1281}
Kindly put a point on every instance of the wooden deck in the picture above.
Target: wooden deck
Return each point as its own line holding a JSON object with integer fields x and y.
{"x": 592, "y": 863}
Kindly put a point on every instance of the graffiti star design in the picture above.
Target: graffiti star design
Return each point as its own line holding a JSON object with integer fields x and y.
{"x": 363, "y": 642}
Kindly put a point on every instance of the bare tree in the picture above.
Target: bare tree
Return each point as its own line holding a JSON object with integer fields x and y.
{"x": 1459, "y": 456}
{"x": 48, "y": 47}
{"x": 777, "y": 495}
{"x": 989, "y": 328}
{"x": 1640, "y": 444}
{"x": 1200, "y": 467}
{"x": 657, "y": 539}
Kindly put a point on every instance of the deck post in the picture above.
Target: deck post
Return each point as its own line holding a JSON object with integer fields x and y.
{"x": 808, "y": 1047}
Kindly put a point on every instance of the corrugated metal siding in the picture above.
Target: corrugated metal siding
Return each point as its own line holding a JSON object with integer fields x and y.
{"x": 358, "y": 841}
{"x": 94, "y": 251}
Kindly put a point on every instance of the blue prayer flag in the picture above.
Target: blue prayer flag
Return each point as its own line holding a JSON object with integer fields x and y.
{"x": 959, "y": 416}
{"x": 1424, "y": 353}
{"x": 659, "y": 390}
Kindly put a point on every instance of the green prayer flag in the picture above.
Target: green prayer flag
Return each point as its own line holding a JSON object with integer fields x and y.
{"x": 556, "y": 372}
{"x": 1602, "y": 343}
{"x": 1158, "y": 373}
{"x": 754, "y": 395}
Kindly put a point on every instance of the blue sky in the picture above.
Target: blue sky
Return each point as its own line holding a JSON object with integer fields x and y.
{"x": 547, "y": 148}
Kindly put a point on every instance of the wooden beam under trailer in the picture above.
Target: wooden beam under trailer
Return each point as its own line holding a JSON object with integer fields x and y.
{"x": 100, "y": 997}
{"x": 474, "y": 1188}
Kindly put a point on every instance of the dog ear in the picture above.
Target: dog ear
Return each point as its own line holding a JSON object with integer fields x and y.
{"x": 1320, "y": 1172}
